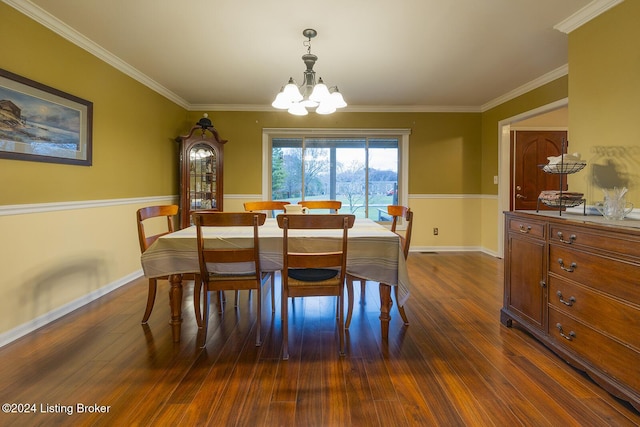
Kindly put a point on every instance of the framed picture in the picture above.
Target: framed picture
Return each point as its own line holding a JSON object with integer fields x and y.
{"x": 42, "y": 124}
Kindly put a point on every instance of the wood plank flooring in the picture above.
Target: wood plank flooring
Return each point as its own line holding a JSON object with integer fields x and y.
{"x": 454, "y": 365}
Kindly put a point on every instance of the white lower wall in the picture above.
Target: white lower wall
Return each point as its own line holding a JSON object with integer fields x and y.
{"x": 59, "y": 256}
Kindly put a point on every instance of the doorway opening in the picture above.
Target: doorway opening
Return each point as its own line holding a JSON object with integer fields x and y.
{"x": 505, "y": 163}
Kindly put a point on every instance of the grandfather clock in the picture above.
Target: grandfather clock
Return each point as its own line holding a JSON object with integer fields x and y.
{"x": 201, "y": 153}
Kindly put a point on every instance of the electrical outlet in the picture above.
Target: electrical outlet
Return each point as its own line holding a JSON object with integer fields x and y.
{"x": 495, "y": 179}
{"x": 435, "y": 231}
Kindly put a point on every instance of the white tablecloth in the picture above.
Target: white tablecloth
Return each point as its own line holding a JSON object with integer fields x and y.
{"x": 374, "y": 252}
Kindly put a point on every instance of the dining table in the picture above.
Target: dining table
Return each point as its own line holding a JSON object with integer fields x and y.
{"x": 374, "y": 253}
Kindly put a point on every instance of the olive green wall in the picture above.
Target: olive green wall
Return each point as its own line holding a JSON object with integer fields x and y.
{"x": 68, "y": 232}
{"x": 445, "y": 150}
{"x": 133, "y": 126}
{"x": 543, "y": 95}
{"x": 604, "y": 113}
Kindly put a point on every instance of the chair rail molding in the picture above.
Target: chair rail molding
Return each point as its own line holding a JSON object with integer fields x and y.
{"x": 75, "y": 205}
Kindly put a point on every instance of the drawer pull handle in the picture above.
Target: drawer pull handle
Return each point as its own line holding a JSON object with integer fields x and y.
{"x": 569, "y": 337}
{"x": 569, "y": 269}
{"x": 572, "y": 238}
{"x": 524, "y": 229}
{"x": 571, "y": 301}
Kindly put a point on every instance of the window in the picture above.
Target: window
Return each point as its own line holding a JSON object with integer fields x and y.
{"x": 363, "y": 169}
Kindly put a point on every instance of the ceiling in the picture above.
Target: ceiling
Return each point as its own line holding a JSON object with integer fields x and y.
{"x": 405, "y": 55}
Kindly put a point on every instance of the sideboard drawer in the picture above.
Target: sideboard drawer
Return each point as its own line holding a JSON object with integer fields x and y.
{"x": 618, "y": 243}
{"x": 614, "y": 277}
{"x": 609, "y": 315}
{"x": 528, "y": 227}
{"x": 618, "y": 360}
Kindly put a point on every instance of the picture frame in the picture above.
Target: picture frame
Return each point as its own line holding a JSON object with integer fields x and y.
{"x": 39, "y": 123}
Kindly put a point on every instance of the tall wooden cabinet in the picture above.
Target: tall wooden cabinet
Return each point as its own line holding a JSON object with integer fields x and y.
{"x": 201, "y": 160}
{"x": 574, "y": 284}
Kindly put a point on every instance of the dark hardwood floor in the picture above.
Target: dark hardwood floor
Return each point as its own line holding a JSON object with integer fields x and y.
{"x": 454, "y": 365}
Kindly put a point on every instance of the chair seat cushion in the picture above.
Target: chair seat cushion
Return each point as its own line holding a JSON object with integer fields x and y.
{"x": 313, "y": 274}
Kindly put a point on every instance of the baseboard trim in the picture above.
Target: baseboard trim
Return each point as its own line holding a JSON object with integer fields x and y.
{"x": 40, "y": 321}
{"x": 436, "y": 249}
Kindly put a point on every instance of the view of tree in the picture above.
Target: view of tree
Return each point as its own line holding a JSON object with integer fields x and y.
{"x": 351, "y": 179}
{"x": 316, "y": 171}
{"x": 278, "y": 173}
{"x": 289, "y": 168}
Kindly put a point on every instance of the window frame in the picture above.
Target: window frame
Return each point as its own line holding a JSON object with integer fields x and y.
{"x": 403, "y": 146}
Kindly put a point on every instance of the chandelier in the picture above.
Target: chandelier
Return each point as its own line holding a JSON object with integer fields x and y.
{"x": 296, "y": 100}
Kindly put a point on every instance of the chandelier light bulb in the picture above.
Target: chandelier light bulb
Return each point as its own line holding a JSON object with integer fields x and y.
{"x": 297, "y": 109}
{"x": 281, "y": 102}
{"x": 326, "y": 107}
{"x": 320, "y": 92}
{"x": 291, "y": 91}
{"x": 337, "y": 99}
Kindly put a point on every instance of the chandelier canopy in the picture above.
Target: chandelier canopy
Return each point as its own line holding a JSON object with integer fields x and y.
{"x": 296, "y": 100}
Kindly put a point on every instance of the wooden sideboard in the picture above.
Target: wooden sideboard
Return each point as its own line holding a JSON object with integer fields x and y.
{"x": 574, "y": 284}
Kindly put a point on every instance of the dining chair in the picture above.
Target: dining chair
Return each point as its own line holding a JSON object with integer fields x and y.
{"x": 142, "y": 215}
{"x": 396, "y": 212}
{"x": 333, "y": 205}
{"x": 267, "y": 206}
{"x": 308, "y": 271}
{"x": 208, "y": 281}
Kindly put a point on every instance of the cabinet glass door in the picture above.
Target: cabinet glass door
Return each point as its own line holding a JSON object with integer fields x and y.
{"x": 202, "y": 177}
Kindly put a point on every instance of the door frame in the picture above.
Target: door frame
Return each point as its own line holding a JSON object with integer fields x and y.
{"x": 505, "y": 166}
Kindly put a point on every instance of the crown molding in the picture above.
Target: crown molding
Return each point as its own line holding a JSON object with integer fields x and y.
{"x": 534, "y": 84}
{"x": 54, "y": 24}
{"x": 586, "y": 14}
{"x": 350, "y": 108}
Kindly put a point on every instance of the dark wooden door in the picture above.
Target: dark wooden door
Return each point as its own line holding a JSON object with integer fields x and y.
{"x": 531, "y": 150}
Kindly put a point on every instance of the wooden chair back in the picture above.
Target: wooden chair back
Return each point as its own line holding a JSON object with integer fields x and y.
{"x": 265, "y": 206}
{"x": 168, "y": 211}
{"x": 231, "y": 254}
{"x": 333, "y": 205}
{"x": 397, "y": 212}
{"x": 336, "y": 258}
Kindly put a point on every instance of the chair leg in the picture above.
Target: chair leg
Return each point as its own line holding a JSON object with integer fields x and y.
{"x": 349, "y": 281}
{"x": 341, "y": 321}
{"x": 273, "y": 296}
{"x": 400, "y": 307}
{"x": 151, "y": 299}
{"x": 237, "y": 298}
{"x": 205, "y": 315}
{"x": 285, "y": 325}
{"x": 197, "y": 290}
{"x": 259, "y": 314}
{"x": 221, "y": 300}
